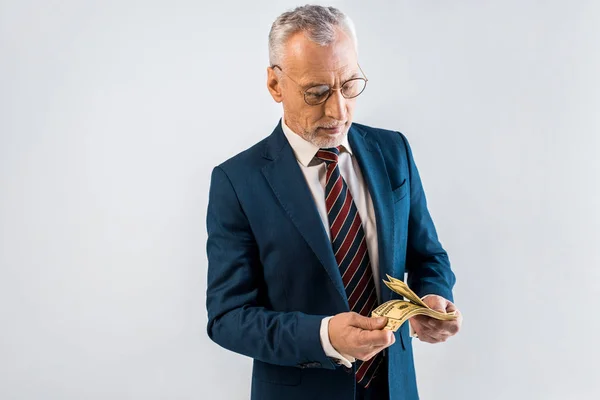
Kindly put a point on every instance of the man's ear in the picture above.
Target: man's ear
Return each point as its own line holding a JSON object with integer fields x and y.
{"x": 274, "y": 85}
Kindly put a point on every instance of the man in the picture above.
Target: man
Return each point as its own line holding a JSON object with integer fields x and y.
{"x": 303, "y": 225}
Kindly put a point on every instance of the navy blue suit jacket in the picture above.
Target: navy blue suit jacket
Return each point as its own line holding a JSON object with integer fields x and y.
{"x": 272, "y": 274}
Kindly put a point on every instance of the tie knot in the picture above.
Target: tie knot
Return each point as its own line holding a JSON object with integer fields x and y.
{"x": 329, "y": 155}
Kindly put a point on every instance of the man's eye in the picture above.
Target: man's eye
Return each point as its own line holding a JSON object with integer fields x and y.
{"x": 317, "y": 91}
{"x": 350, "y": 85}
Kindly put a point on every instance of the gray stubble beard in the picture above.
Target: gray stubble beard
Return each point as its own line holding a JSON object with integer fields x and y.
{"x": 323, "y": 142}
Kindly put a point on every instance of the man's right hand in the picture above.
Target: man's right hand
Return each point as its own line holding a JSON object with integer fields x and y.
{"x": 357, "y": 336}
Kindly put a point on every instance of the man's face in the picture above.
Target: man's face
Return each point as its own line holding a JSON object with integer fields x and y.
{"x": 307, "y": 63}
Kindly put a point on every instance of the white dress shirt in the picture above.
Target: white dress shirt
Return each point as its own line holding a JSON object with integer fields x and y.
{"x": 315, "y": 171}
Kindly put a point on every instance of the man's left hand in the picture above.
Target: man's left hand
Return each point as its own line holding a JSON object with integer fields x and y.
{"x": 431, "y": 330}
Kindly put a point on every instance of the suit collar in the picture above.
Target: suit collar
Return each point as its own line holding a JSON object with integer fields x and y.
{"x": 277, "y": 140}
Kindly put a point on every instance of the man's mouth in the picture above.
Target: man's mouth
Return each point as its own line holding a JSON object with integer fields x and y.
{"x": 333, "y": 130}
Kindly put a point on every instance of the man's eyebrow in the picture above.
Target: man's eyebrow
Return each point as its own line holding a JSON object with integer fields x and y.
{"x": 354, "y": 75}
{"x": 315, "y": 83}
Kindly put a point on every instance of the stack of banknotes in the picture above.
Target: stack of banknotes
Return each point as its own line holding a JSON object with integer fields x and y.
{"x": 399, "y": 311}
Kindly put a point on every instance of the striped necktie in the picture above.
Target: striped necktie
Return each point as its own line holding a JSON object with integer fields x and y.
{"x": 350, "y": 249}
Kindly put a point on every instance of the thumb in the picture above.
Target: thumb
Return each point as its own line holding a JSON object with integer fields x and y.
{"x": 437, "y": 303}
{"x": 370, "y": 324}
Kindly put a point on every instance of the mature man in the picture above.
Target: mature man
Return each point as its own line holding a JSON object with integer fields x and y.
{"x": 303, "y": 225}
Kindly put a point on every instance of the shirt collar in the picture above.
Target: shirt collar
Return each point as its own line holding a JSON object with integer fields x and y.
{"x": 304, "y": 150}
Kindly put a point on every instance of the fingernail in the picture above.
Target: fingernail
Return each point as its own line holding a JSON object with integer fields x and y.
{"x": 380, "y": 320}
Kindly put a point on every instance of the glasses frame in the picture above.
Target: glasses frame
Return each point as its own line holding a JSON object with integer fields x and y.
{"x": 331, "y": 89}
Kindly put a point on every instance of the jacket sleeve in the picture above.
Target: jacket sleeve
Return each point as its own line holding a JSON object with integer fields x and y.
{"x": 427, "y": 262}
{"x": 235, "y": 297}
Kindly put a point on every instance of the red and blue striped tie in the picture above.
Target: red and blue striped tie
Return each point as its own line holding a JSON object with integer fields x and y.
{"x": 350, "y": 249}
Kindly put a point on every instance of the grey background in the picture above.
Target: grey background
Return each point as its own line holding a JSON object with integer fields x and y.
{"x": 113, "y": 113}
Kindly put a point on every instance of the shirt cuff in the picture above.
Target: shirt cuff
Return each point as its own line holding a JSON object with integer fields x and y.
{"x": 328, "y": 348}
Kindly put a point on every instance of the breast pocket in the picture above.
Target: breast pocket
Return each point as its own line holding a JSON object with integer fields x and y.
{"x": 401, "y": 191}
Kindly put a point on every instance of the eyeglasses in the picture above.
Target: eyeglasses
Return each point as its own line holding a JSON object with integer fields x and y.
{"x": 319, "y": 94}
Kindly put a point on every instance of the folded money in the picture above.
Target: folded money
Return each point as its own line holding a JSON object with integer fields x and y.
{"x": 399, "y": 311}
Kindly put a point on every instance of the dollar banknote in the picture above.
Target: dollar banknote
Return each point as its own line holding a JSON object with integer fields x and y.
{"x": 399, "y": 311}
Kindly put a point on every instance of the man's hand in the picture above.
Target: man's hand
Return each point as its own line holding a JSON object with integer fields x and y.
{"x": 357, "y": 336}
{"x": 431, "y": 330}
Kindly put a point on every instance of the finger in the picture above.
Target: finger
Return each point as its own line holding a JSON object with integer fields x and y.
{"x": 453, "y": 327}
{"x": 432, "y": 323}
{"x": 378, "y": 348}
{"x": 372, "y": 352}
{"x": 449, "y": 327}
{"x": 435, "y": 336}
{"x": 439, "y": 330}
{"x": 436, "y": 303}
{"x": 426, "y": 320}
{"x": 435, "y": 333}
{"x": 368, "y": 323}
{"x": 444, "y": 334}
{"x": 375, "y": 338}
{"x": 424, "y": 325}
{"x": 428, "y": 339}
{"x": 421, "y": 320}
{"x": 451, "y": 307}
{"x": 419, "y": 325}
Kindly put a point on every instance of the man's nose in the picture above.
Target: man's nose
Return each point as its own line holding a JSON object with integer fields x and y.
{"x": 335, "y": 106}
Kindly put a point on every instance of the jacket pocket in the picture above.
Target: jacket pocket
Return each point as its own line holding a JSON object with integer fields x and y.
{"x": 400, "y": 192}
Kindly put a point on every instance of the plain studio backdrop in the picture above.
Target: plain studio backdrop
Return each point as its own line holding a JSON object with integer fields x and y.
{"x": 113, "y": 114}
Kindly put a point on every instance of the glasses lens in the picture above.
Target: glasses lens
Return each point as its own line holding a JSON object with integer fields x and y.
{"x": 353, "y": 87}
{"x": 317, "y": 94}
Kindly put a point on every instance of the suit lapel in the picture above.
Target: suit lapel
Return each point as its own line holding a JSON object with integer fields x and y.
{"x": 289, "y": 186}
{"x": 372, "y": 166}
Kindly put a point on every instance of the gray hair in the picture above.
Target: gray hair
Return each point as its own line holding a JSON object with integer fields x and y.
{"x": 317, "y": 22}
